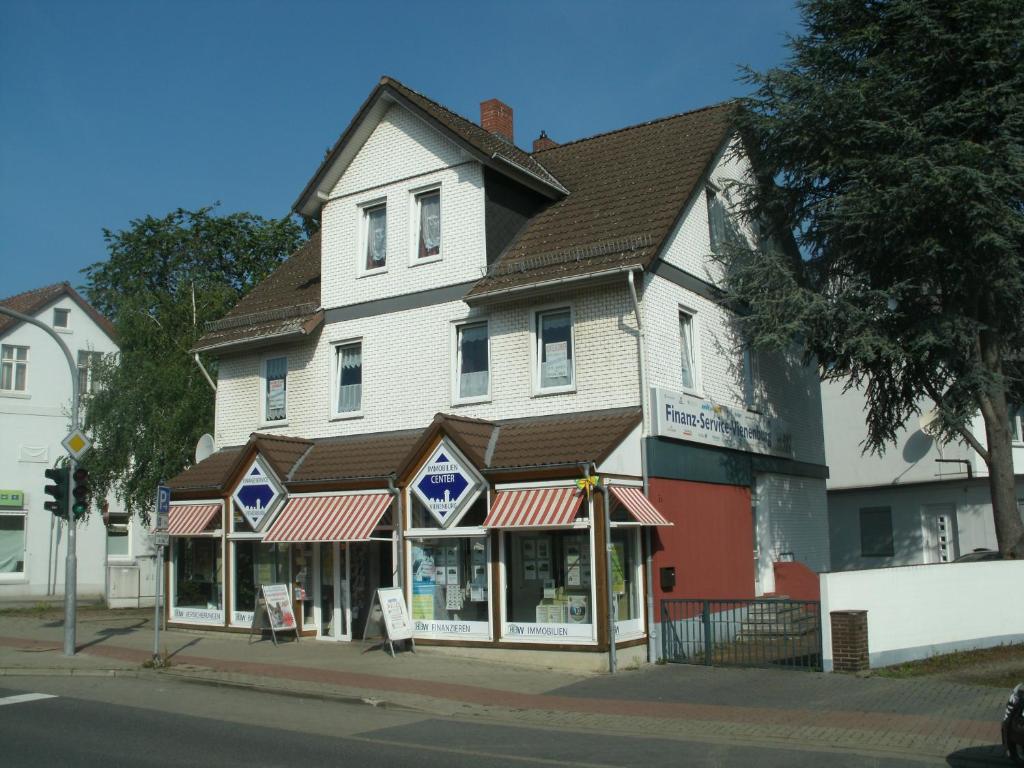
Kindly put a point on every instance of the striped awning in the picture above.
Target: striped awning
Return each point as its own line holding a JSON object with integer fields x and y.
{"x": 190, "y": 519}
{"x": 351, "y": 517}
{"x": 534, "y": 508}
{"x": 638, "y": 505}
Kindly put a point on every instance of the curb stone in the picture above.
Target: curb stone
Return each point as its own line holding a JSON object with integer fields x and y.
{"x": 69, "y": 672}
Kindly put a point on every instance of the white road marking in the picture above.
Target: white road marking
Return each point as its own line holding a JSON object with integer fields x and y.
{"x": 23, "y": 697}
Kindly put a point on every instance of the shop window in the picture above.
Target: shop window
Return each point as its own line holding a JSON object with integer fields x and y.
{"x": 257, "y": 564}
{"x": 428, "y": 220}
{"x": 375, "y": 234}
{"x": 472, "y": 363}
{"x": 549, "y": 579}
{"x": 349, "y": 378}
{"x": 61, "y": 317}
{"x": 275, "y": 389}
{"x": 13, "y": 368}
{"x": 449, "y": 580}
{"x": 876, "y": 532}
{"x": 625, "y": 583}
{"x": 554, "y": 356}
{"x": 118, "y": 538}
{"x": 688, "y": 350}
{"x": 12, "y": 544}
{"x": 302, "y": 582}
{"x": 198, "y": 579}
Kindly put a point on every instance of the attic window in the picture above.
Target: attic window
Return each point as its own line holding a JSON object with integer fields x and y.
{"x": 375, "y": 227}
{"x": 428, "y": 209}
{"x": 60, "y": 317}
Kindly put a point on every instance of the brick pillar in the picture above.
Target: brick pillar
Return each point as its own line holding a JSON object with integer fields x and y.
{"x": 849, "y": 641}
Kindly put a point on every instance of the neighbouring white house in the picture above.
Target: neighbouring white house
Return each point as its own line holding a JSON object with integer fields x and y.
{"x": 425, "y": 393}
{"x": 115, "y": 561}
{"x": 919, "y": 502}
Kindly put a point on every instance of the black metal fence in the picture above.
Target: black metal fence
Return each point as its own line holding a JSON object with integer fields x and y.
{"x": 766, "y": 632}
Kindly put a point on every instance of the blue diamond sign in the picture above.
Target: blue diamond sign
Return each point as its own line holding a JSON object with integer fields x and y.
{"x": 446, "y": 484}
{"x": 257, "y": 494}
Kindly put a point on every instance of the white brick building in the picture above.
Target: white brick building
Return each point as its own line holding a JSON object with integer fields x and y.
{"x": 115, "y": 562}
{"x": 464, "y": 293}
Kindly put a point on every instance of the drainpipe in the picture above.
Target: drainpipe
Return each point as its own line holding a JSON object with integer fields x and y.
{"x": 398, "y": 548}
{"x": 195, "y": 356}
{"x": 652, "y": 635}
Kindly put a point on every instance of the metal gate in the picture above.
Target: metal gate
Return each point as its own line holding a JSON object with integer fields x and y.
{"x": 765, "y": 632}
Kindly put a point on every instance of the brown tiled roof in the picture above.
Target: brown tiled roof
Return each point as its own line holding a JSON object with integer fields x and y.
{"x": 567, "y": 438}
{"x": 352, "y": 457}
{"x": 284, "y": 304}
{"x": 209, "y": 474}
{"x": 31, "y": 302}
{"x": 627, "y": 190}
{"x": 534, "y": 442}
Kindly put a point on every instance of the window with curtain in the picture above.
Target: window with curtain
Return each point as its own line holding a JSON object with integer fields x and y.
{"x": 87, "y": 363}
{"x": 554, "y": 348}
{"x": 687, "y": 354}
{"x": 13, "y": 368}
{"x": 276, "y": 389}
{"x": 473, "y": 365}
{"x": 376, "y": 226}
{"x": 12, "y": 544}
{"x": 721, "y": 229}
{"x": 428, "y": 206}
{"x": 350, "y": 377}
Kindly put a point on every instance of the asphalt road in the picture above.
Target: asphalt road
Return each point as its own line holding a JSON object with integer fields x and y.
{"x": 146, "y": 722}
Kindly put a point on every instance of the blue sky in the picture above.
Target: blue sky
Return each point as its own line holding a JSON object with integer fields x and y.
{"x": 115, "y": 110}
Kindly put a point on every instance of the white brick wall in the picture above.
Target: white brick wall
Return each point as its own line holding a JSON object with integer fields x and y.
{"x": 791, "y": 516}
{"x": 402, "y": 155}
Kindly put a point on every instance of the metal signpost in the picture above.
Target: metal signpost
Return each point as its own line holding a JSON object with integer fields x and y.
{"x": 161, "y": 539}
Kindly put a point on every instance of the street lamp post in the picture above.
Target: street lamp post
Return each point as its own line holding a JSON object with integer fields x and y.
{"x": 71, "y": 561}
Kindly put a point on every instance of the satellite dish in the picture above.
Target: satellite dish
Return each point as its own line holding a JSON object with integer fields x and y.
{"x": 204, "y": 447}
{"x": 929, "y": 422}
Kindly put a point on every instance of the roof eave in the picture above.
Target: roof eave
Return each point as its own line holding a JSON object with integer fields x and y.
{"x": 250, "y": 342}
{"x": 543, "y": 286}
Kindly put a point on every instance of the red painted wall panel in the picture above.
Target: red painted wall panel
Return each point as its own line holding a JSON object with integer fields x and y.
{"x": 711, "y": 543}
{"x": 796, "y": 581}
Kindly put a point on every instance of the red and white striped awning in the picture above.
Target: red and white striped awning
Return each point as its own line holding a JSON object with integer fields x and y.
{"x": 190, "y": 519}
{"x": 351, "y": 517}
{"x": 534, "y": 508}
{"x": 638, "y": 505}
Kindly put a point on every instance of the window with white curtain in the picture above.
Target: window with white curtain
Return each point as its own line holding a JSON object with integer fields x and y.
{"x": 13, "y": 368}
{"x": 375, "y": 227}
{"x": 275, "y": 388}
{"x": 428, "y": 214}
{"x": 555, "y": 349}
{"x": 688, "y": 354}
{"x": 473, "y": 365}
{"x": 349, "y": 366}
{"x": 87, "y": 363}
{"x": 12, "y": 544}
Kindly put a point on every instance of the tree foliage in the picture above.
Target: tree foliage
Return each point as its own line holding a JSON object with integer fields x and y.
{"x": 164, "y": 280}
{"x": 889, "y": 147}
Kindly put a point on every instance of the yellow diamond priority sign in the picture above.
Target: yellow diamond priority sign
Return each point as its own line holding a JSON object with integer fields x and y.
{"x": 77, "y": 444}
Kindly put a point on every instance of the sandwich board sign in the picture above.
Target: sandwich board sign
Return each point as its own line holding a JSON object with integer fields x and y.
{"x": 389, "y": 608}
{"x": 274, "y": 607}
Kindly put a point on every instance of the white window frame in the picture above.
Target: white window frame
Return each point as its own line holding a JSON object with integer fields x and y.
{"x": 66, "y": 328}
{"x": 364, "y": 236}
{"x": 753, "y": 400}
{"x": 714, "y": 192}
{"x": 130, "y": 555}
{"x": 8, "y": 578}
{"x": 697, "y": 390}
{"x": 91, "y": 355}
{"x": 264, "y": 422}
{"x": 535, "y": 363}
{"x": 414, "y": 221}
{"x": 332, "y": 406}
{"x": 1017, "y": 420}
{"x": 456, "y": 362}
{"x": 15, "y": 362}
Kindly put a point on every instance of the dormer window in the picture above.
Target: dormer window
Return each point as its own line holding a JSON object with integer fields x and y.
{"x": 428, "y": 217}
{"x": 375, "y": 227}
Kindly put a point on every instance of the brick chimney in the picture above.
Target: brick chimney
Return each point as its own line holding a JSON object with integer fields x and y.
{"x": 543, "y": 142}
{"x": 496, "y": 117}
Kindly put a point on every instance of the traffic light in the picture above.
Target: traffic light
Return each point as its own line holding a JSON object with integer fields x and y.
{"x": 59, "y": 491}
{"x": 81, "y": 493}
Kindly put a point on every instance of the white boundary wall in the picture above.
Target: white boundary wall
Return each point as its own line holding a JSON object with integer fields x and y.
{"x": 918, "y": 611}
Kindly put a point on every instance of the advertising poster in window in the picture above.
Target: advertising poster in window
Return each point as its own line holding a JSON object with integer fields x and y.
{"x": 618, "y": 574}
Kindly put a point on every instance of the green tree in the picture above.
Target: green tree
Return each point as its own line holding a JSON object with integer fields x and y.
{"x": 890, "y": 177}
{"x": 165, "y": 279}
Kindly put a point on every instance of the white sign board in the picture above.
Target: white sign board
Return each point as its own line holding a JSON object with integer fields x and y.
{"x": 396, "y": 614}
{"x": 696, "y": 420}
{"x": 279, "y": 607}
{"x": 161, "y": 539}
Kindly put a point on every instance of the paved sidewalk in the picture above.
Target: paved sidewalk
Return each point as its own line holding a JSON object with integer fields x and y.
{"x": 937, "y": 722}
